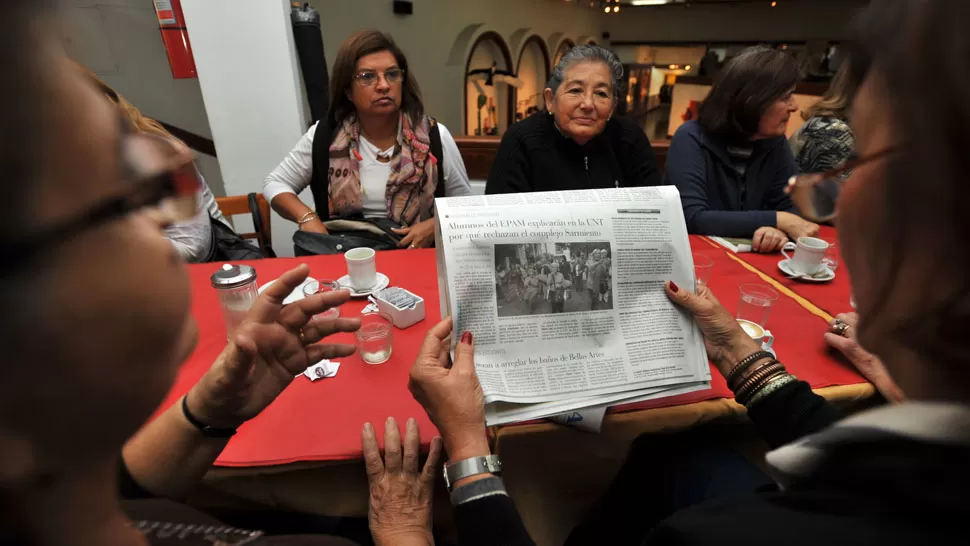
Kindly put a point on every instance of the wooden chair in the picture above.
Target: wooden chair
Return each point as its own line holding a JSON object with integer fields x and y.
{"x": 256, "y": 205}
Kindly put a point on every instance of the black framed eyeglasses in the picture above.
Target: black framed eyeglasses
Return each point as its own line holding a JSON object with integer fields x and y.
{"x": 816, "y": 194}
{"x": 161, "y": 175}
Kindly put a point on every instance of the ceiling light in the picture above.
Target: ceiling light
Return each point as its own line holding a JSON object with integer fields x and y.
{"x": 687, "y": 68}
{"x": 616, "y": 9}
{"x": 672, "y": 67}
{"x": 773, "y": 4}
{"x": 606, "y": 9}
{"x": 650, "y": 2}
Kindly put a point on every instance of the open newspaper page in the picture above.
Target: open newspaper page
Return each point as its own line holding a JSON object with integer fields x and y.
{"x": 564, "y": 292}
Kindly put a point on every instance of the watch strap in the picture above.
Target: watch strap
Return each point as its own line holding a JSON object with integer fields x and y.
{"x": 474, "y": 466}
{"x": 206, "y": 430}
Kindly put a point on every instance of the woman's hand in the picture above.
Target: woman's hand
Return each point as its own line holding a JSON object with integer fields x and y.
{"x": 867, "y": 363}
{"x": 796, "y": 226}
{"x": 451, "y": 395}
{"x": 400, "y": 494}
{"x": 727, "y": 343}
{"x": 768, "y": 239}
{"x": 273, "y": 344}
{"x": 314, "y": 226}
{"x": 420, "y": 235}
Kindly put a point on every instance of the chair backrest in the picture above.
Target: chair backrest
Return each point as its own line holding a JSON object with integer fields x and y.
{"x": 255, "y": 205}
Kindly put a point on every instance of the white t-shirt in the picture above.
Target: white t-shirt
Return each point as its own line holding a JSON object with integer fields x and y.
{"x": 294, "y": 173}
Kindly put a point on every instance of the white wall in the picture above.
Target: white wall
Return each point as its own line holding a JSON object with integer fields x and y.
{"x": 251, "y": 84}
{"x": 791, "y": 20}
{"x": 119, "y": 40}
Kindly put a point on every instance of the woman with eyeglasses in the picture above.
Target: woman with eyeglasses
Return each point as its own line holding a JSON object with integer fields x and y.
{"x": 381, "y": 157}
{"x": 95, "y": 323}
{"x": 894, "y": 475}
{"x": 732, "y": 164}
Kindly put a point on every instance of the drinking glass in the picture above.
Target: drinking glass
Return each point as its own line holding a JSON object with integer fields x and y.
{"x": 831, "y": 259}
{"x": 313, "y": 288}
{"x": 703, "y": 266}
{"x": 375, "y": 337}
{"x": 755, "y": 302}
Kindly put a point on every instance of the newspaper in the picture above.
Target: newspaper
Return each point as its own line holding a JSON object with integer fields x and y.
{"x": 564, "y": 292}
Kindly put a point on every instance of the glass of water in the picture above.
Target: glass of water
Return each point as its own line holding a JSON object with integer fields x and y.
{"x": 313, "y": 288}
{"x": 703, "y": 266}
{"x": 375, "y": 337}
{"x": 755, "y": 302}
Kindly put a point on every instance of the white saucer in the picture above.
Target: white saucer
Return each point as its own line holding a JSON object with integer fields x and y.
{"x": 825, "y": 276}
{"x": 295, "y": 295}
{"x": 382, "y": 282}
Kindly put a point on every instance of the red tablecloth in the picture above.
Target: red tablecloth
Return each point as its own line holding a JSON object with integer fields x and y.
{"x": 798, "y": 333}
{"x": 321, "y": 421}
{"x": 832, "y": 297}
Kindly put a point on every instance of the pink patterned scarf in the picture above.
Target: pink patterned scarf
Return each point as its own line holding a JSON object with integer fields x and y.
{"x": 410, "y": 187}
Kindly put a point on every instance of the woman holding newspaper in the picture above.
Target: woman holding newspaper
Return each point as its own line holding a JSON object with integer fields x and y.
{"x": 576, "y": 143}
{"x": 893, "y": 475}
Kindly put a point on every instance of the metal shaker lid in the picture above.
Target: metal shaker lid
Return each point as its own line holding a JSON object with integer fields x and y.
{"x": 233, "y": 276}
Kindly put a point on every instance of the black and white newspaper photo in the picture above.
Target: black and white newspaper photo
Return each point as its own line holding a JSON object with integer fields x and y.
{"x": 547, "y": 278}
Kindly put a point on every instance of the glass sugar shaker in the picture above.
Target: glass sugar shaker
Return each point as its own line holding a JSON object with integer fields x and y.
{"x": 236, "y": 285}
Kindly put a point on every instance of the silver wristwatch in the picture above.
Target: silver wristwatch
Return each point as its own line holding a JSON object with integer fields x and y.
{"x": 471, "y": 467}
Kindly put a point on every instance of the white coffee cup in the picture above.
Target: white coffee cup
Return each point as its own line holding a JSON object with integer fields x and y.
{"x": 362, "y": 268}
{"x": 809, "y": 253}
{"x": 757, "y": 333}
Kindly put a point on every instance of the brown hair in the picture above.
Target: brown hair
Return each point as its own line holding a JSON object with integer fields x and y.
{"x": 361, "y": 44}
{"x": 132, "y": 114}
{"x": 746, "y": 86}
{"x": 837, "y": 100}
{"x": 920, "y": 54}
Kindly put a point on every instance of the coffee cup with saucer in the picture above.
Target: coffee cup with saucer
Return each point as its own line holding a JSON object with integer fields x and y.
{"x": 759, "y": 334}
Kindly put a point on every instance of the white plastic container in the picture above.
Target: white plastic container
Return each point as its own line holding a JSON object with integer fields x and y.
{"x": 401, "y": 317}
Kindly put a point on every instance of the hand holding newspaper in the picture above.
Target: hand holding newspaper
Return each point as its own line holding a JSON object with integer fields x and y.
{"x": 564, "y": 292}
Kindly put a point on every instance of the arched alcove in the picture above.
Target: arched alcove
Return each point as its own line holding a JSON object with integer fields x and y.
{"x": 480, "y": 81}
{"x": 533, "y": 71}
{"x": 564, "y": 46}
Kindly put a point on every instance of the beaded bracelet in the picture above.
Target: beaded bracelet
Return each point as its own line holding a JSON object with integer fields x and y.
{"x": 744, "y": 398}
{"x": 745, "y": 363}
{"x": 758, "y": 378}
{"x": 770, "y": 387}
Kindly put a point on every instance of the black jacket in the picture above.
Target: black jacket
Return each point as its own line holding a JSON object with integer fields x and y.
{"x": 859, "y": 482}
{"x": 535, "y": 156}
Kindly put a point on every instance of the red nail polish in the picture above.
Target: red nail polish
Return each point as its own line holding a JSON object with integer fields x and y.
{"x": 466, "y": 338}
{"x": 673, "y": 287}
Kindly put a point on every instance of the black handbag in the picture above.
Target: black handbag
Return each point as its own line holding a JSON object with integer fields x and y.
{"x": 346, "y": 235}
{"x": 227, "y": 246}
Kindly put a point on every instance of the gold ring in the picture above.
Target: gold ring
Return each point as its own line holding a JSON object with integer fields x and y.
{"x": 302, "y": 337}
{"x": 412, "y": 246}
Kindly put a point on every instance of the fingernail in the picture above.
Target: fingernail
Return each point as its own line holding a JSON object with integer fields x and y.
{"x": 368, "y": 427}
{"x": 412, "y": 422}
{"x": 466, "y": 338}
{"x": 673, "y": 287}
{"x": 391, "y": 422}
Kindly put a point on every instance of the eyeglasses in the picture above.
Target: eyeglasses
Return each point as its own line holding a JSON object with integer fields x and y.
{"x": 815, "y": 194}
{"x": 161, "y": 175}
{"x": 369, "y": 78}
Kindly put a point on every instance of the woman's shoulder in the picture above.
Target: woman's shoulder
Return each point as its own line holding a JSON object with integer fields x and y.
{"x": 536, "y": 127}
{"x": 825, "y": 126}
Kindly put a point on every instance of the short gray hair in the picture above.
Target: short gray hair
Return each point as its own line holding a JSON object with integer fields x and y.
{"x": 588, "y": 54}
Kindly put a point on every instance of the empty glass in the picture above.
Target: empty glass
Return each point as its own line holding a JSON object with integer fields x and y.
{"x": 321, "y": 287}
{"x": 375, "y": 337}
{"x": 703, "y": 266}
{"x": 755, "y": 302}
